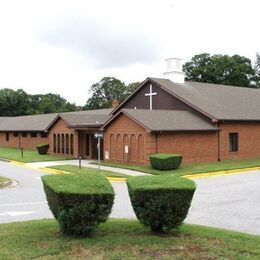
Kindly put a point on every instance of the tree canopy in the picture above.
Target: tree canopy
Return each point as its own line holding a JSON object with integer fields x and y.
{"x": 221, "y": 69}
{"x": 107, "y": 90}
{"x": 17, "y": 103}
{"x": 257, "y": 69}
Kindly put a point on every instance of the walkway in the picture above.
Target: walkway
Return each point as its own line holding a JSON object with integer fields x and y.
{"x": 86, "y": 163}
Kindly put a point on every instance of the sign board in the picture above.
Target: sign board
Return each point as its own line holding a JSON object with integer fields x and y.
{"x": 107, "y": 155}
{"x": 126, "y": 149}
{"x": 99, "y": 135}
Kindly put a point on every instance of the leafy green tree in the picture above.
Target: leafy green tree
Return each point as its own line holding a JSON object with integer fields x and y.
{"x": 107, "y": 90}
{"x": 16, "y": 103}
{"x": 132, "y": 87}
{"x": 104, "y": 92}
{"x": 13, "y": 103}
{"x": 220, "y": 69}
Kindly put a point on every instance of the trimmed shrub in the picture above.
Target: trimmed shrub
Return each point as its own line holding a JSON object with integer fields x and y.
{"x": 78, "y": 201}
{"x": 161, "y": 202}
{"x": 42, "y": 148}
{"x": 164, "y": 161}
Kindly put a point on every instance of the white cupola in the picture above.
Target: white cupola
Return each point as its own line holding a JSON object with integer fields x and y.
{"x": 174, "y": 70}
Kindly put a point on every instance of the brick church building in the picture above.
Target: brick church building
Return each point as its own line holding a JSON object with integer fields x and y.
{"x": 202, "y": 122}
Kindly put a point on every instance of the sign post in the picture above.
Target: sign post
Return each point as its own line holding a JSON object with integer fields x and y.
{"x": 99, "y": 136}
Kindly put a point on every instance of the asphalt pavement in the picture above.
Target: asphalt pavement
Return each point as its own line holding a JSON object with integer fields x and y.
{"x": 230, "y": 202}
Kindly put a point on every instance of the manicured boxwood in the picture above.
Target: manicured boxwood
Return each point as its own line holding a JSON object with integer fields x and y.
{"x": 161, "y": 202}
{"x": 42, "y": 148}
{"x": 164, "y": 161}
{"x": 78, "y": 201}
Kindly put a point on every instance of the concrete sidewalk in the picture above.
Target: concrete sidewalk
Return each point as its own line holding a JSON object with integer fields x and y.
{"x": 85, "y": 163}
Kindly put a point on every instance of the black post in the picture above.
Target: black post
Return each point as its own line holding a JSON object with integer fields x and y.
{"x": 21, "y": 152}
{"x": 80, "y": 162}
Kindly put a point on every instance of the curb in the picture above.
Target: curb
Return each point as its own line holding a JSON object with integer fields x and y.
{"x": 4, "y": 160}
{"x": 116, "y": 179}
{"x": 220, "y": 173}
{"x": 42, "y": 169}
{"x": 53, "y": 171}
{"x": 5, "y": 183}
{"x": 8, "y": 184}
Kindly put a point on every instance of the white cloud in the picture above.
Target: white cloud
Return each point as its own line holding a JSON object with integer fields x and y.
{"x": 65, "y": 46}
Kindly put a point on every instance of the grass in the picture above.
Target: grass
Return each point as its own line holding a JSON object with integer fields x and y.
{"x": 192, "y": 168}
{"x": 124, "y": 239}
{"x": 3, "y": 179}
{"x": 14, "y": 154}
{"x": 85, "y": 170}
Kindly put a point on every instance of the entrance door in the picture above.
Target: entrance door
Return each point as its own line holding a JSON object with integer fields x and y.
{"x": 87, "y": 153}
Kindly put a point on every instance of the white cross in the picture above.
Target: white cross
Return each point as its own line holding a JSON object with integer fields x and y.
{"x": 151, "y": 94}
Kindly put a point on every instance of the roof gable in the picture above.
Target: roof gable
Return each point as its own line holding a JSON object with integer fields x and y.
{"x": 217, "y": 102}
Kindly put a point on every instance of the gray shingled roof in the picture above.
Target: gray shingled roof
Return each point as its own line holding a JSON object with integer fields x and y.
{"x": 2, "y": 119}
{"x": 28, "y": 123}
{"x": 88, "y": 118}
{"x": 44, "y": 121}
{"x": 169, "y": 120}
{"x": 220, "y": 101}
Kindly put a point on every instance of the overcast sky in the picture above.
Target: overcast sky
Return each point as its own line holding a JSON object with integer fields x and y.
{"x": 64, "y": 47}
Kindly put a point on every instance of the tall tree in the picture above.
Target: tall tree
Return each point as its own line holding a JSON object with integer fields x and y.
{"x": 221, "y": 69}
{"x": 13, "y": 103}
{"x": 107, "y": 90}
{"x": 104, "y": 92}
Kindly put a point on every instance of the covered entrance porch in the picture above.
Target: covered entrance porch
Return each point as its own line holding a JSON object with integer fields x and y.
{"x": 88, "y": 144}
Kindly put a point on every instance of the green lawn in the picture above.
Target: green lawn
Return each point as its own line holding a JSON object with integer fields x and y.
{"x": 124, "y": 239}
{"x": 14, "y": 154}
{"x": 85, "y": 170}
{"x": 192, "y": 168}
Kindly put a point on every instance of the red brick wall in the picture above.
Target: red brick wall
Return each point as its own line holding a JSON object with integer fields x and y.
{"x": 124, "y": 131}
{"x": 193, "y": 146}
{"x": 25, "y": 142}
{"x": 60, "y": 127}
{"x": 248, "y": 140}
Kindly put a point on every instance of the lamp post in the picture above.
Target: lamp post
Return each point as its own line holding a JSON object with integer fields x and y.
{"x": 80, "y": 161}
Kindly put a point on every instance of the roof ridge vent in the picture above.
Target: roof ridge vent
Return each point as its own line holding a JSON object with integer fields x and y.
{"x": 174, "y": 70}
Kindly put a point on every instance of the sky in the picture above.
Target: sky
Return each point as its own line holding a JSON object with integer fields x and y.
{"x": 64, "y": 47}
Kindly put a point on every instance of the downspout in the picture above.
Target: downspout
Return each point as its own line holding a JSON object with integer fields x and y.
{"x": 19, "y": 139}
{"x": 156, "y": 143}
{"x": 218, "y": 143}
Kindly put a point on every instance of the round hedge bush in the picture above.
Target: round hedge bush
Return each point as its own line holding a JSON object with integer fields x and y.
{"x": 42, "y": 148}
{"x": 164, "y": 161}
{"x": 78, "y": 201}
{"x": 161, "y": 202}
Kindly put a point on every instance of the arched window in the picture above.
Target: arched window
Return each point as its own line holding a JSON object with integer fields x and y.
{"x": 71, "y": 144}
{"x": 67, "y": 144}
{"x": 54, "y": 143}
{"x": 133, "y": 148}
{"x": 119, "y": 148}
{"x": 141, "y": 148}
{"x": 58, "y": 143}
{"x": 62, "y": 143}
{"x": 112, "y": 147}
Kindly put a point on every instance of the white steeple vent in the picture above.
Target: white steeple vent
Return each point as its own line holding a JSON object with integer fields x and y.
{"x": 174, "y": 70}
